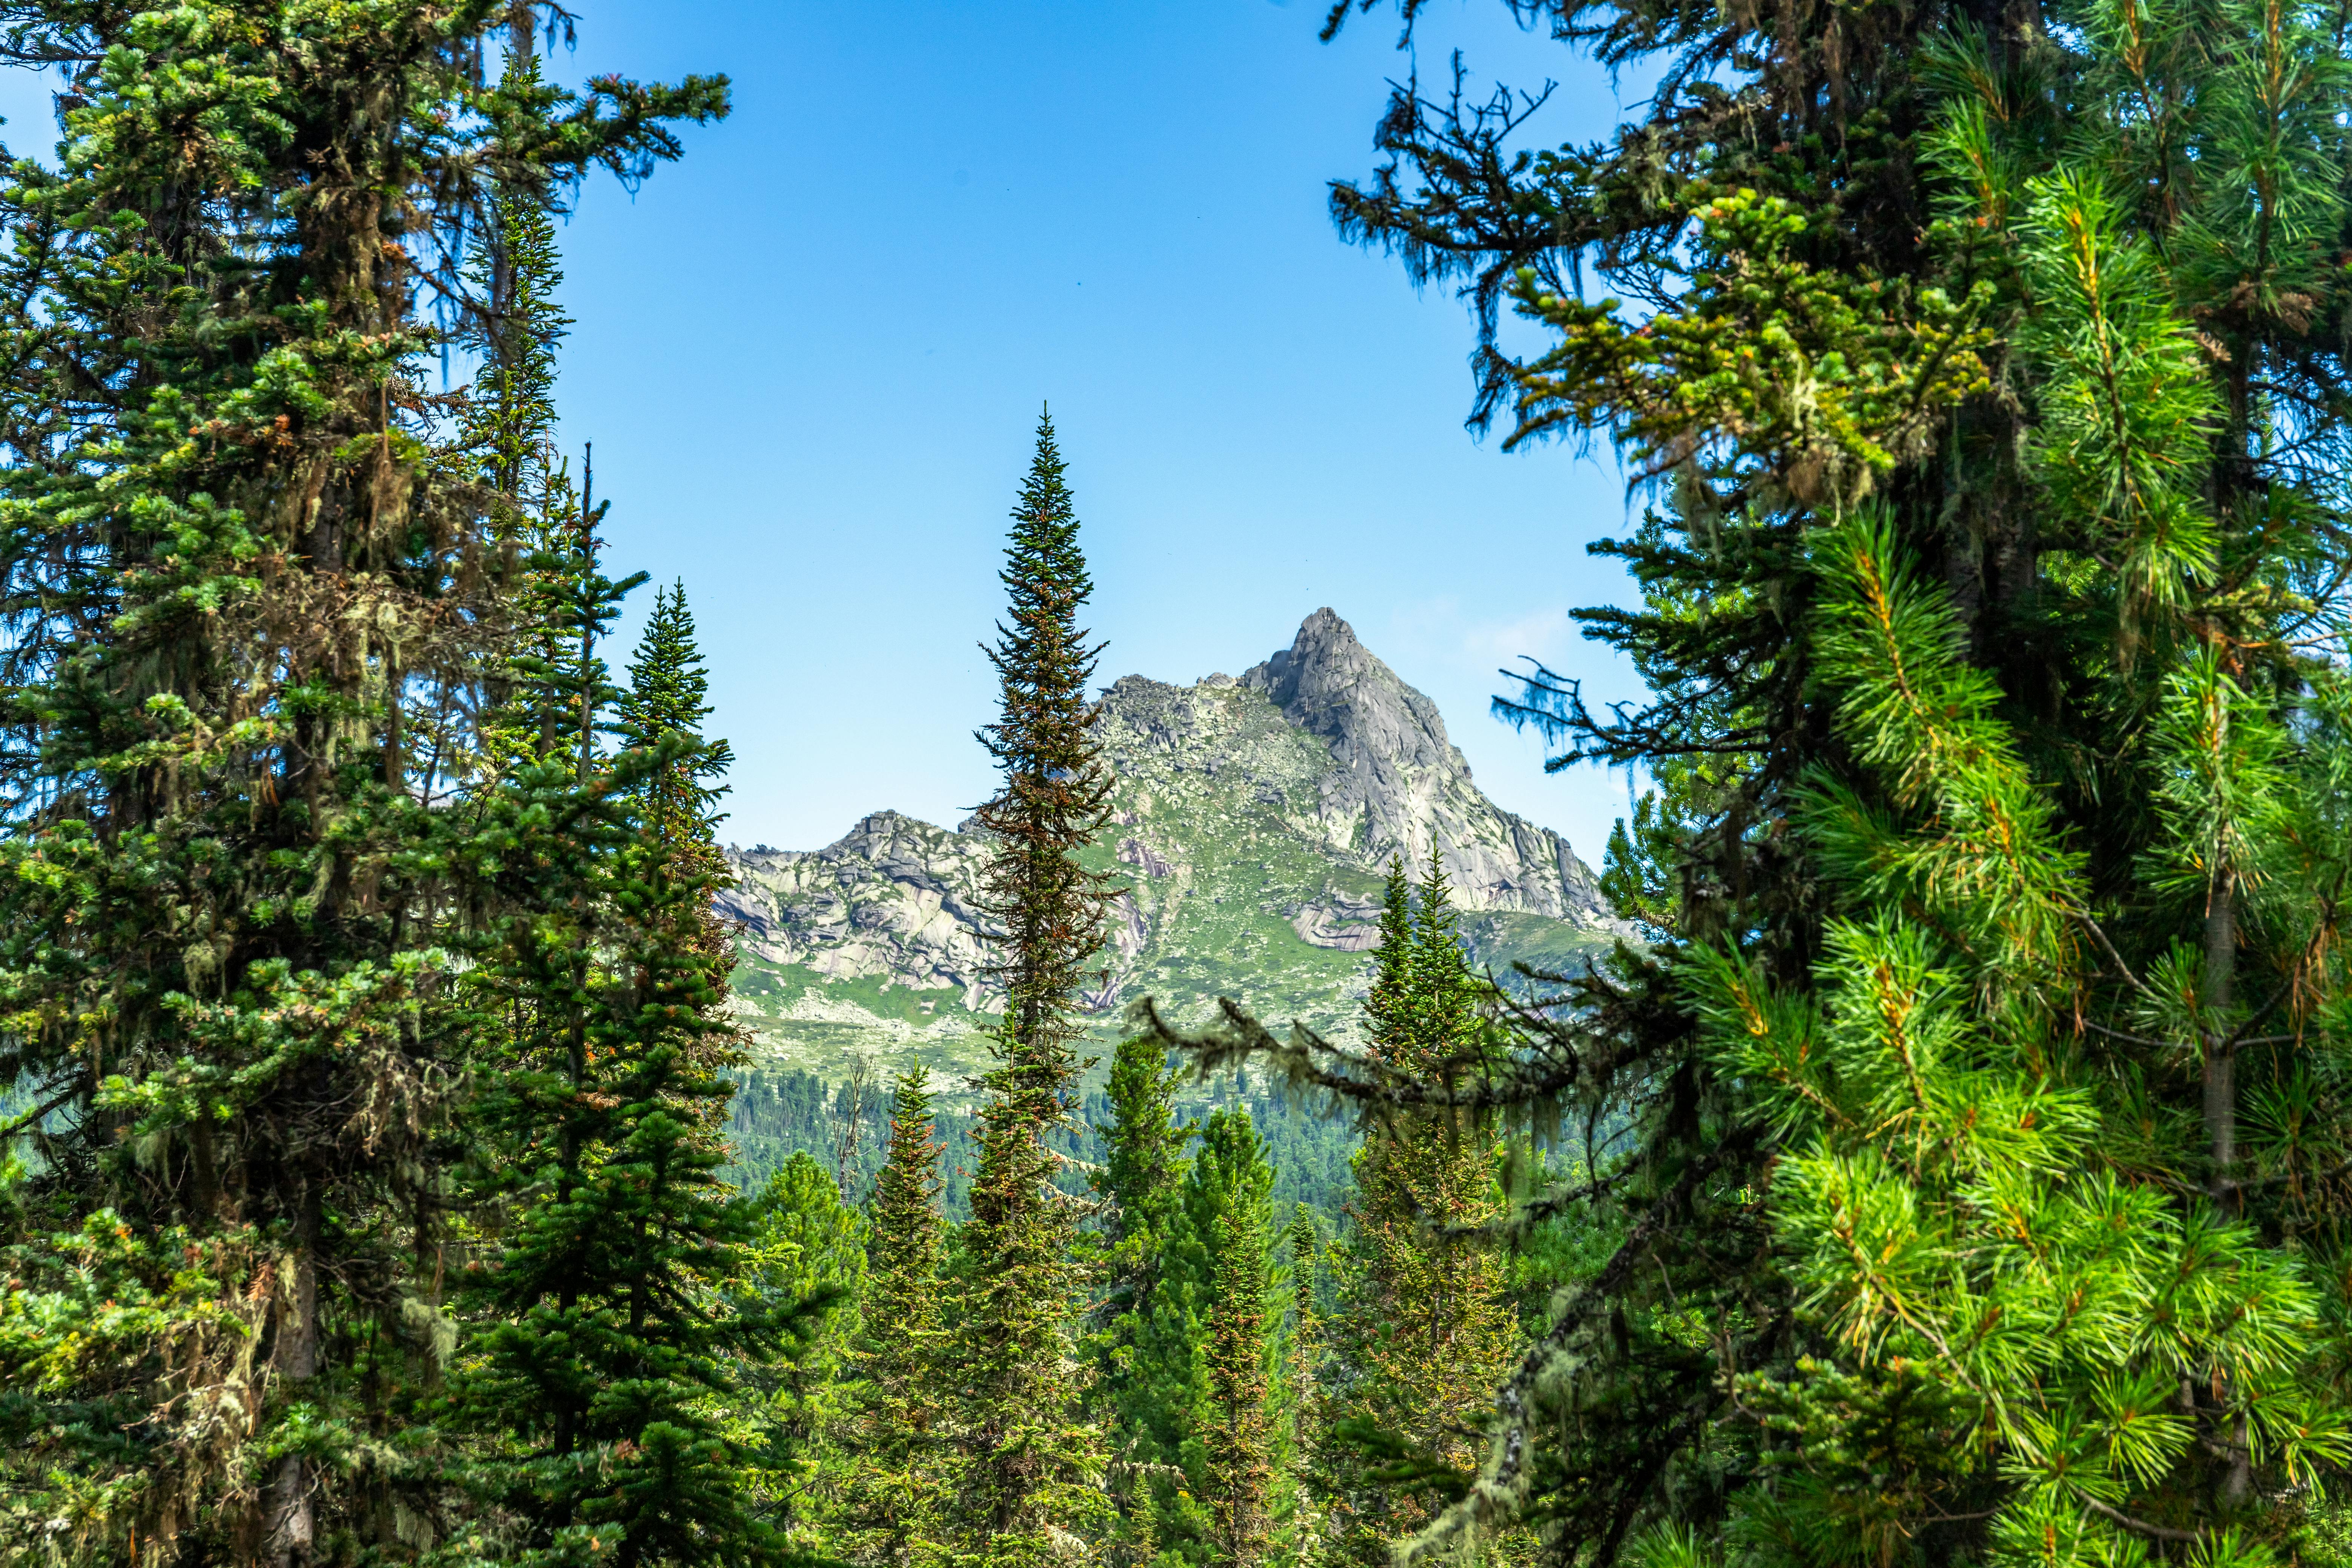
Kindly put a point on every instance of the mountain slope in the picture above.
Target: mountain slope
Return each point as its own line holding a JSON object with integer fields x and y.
{"x": 1253, "y": 824}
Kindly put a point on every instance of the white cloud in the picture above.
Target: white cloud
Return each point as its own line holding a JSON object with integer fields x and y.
{"x": 1437, "y": 631}
{"x": 1542, "y": 634}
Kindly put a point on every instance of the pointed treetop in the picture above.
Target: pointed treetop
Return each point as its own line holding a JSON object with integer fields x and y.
{"x": 1043, "y": 548}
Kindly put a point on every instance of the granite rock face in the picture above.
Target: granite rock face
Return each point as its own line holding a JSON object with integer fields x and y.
{"x": 895, "y": 897}
{"x": 1397, "y": 784}
{"x": 1252, "y": 823}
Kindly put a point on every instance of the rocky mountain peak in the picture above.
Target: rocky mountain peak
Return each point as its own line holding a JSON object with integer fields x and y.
{"x": 1251, "y": 823}
{"x": 1331, "y": 685}
{"x": 1397, "y": 785}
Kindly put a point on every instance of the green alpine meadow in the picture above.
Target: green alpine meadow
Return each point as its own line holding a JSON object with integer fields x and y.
{"x": 437, "y": 1129}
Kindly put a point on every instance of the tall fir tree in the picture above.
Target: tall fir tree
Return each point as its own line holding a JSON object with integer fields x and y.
{"x": 1196, "y": 1392}
{"x": 811, "y": 1245}
{"x": 898, "y": 1484}
{"x": 1237, "y": 1446}
{"x": 663, "y": 712}
{"x": 1300, "y": 1517}
{"x": 246, "y": 579}
{"x": 518, "y": 326}
{"x": 621, "y": 1303}
{"x": 1034, "y": 1468}
{"x": 622, "y": 1296}
{"x": 670, "y": 696}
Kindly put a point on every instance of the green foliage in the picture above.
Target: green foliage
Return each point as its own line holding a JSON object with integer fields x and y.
{"x": 897, "y": 1488}
{"x": 627, "y": 1288}
{"x": 515, "y": 273}
{"x": 2127, "y": 422}
{"x": 1832, "y": 377}
{"x": 249, "y": 580}
{"x": 810, "y": 1247}
{"x": 1423, "y": 1324}
{"x": 1198, "y": 1391}
{"x": 1235, "y": 1446}
{"x": 1055, "y": 787}
{"x": 625, "y": 1291}
{"x": 1140, "y": 1179}
{"x": 668, "y": 696}
{"x": 1951, "y": 1151}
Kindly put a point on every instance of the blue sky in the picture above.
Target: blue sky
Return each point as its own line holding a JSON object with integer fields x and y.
{"x": 810, "y": 358}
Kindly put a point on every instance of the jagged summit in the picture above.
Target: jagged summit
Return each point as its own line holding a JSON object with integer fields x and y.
{"x": 1396, "y": 774}
{"x": 1253, "y": 821}
{"x": 1329, "y": 684}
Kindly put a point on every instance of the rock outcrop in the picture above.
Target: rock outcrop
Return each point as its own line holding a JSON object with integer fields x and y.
{"x": 895, "y": 897}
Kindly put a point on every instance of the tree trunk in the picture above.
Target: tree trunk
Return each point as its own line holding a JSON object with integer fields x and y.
{"x": 2221, "y": 1054}
{"x": 295, "y": 1361}
{"x": 2221, "y": 1128}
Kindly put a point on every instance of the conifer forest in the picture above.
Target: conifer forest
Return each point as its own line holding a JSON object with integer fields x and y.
{"x": 1937, "y": 1154}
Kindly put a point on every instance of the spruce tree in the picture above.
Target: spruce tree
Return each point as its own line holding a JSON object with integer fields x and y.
{"x": 1139, "y": 1184}
{"x": 898, "y": 1483}
{"x": 620, "y": 1298}
{"x": 668, "y": 697}
{"x": 246, "y": 581}
{"x": 518, "y": 326}
{"x": 1299, "y": 1519}
{"x": 1033, "y": 1468}
{"x": 1196, "y": 1392}
{"x": 1237, "y": 1447}
{"x": 810, "y": 1246}
{"x": 662, "y": 713}
{"x": 619, "y": 1306}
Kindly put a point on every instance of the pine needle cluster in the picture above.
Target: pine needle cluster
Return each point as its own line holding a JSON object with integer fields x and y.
{"x": 1964, "y": 1126}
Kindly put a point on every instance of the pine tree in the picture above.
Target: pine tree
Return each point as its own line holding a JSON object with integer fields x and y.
{"x": 1033, "y": 1468}
{"x": 1298, "y": 1522}
{"x": 516, "y": 327}
{"x": 516, "y": 272}
{"x": 897, "y": 1487}
{"x": 1790, "y": 368}
{"x": 1987, "y": 614}
{"x": 245, "y": 583}
{"x": 622, "y": 1304}
{"x": 668, "y": 696}
{"x": 1236, "y": 1445}
{"x": 1196, "y": 1394}
{"x": 622, "y": 1301}
{"x": 662, "y": 713}
{"x": 810, "y": 1247}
